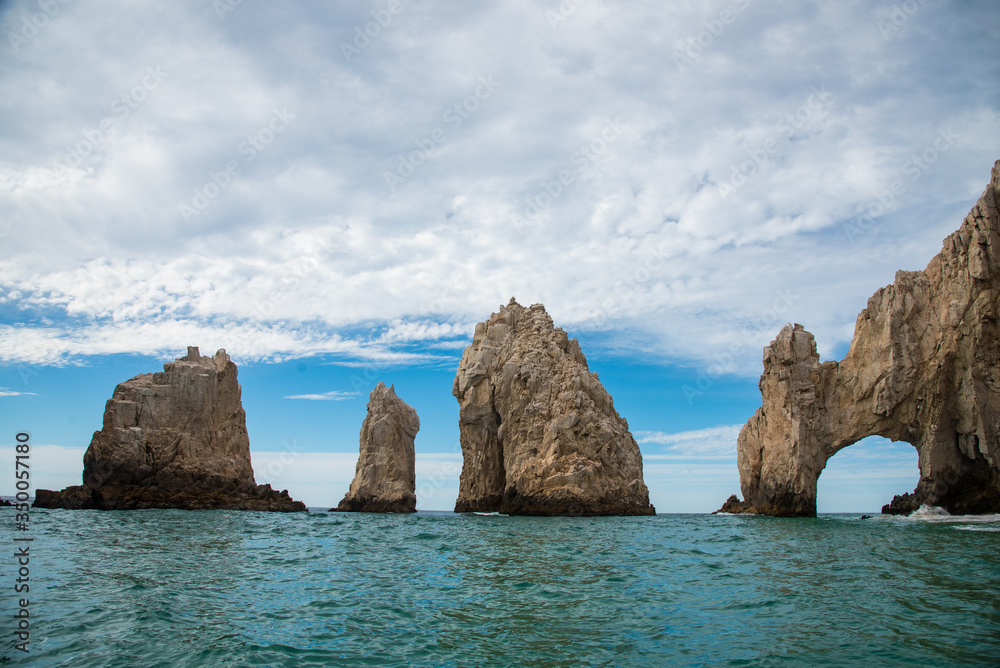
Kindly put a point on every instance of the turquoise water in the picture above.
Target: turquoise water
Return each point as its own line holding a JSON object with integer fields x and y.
{"x": 221, "y": 588}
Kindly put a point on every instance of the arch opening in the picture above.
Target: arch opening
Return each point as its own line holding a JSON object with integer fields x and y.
{"x": 864, "y": 476}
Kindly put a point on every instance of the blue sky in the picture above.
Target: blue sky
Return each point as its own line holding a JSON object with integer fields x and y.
{"x": 338, "y": 208}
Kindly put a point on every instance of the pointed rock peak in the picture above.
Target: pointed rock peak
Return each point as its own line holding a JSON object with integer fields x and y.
{"x": 513, "y": 302}
{"x": 794, "y": 344}
{"x": 382, "y": 391}
{"x": 540, "y": 435}
{"x": 384, "y": 480}
{"x": 221, "y": 359}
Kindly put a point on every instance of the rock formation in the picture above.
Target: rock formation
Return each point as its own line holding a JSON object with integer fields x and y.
{"x": 172, "y": 439}
{"x": 923, "y": 367}
{"x": 384, "y": 480}
{"x": 540, "y": 435}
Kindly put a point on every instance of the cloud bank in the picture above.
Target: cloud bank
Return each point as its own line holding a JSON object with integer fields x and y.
{"x": 369, "y": 180}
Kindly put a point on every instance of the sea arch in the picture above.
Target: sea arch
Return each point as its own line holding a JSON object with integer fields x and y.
{"x": 813, "y": 410}
{"x": 923, "y": 367}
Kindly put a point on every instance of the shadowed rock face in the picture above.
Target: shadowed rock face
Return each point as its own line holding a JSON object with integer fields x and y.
{"x": 923, "y": 367}
{"x": 540, "y": 435}
{"x": 172, "y": 439}
{"x": 384, "y": 481}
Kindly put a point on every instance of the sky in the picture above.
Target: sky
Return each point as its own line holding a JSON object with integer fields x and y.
{"x": 336, "y": 192}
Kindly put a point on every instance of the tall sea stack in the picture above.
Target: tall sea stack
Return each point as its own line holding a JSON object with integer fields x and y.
{"x": 385, "y": 478}
{"x": 172, "y": 439}
{"x": 540, "y": 434}
{"x": 923, "y": 367}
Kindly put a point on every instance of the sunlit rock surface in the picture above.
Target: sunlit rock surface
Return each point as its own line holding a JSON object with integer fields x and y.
{"x": 923, "y": 367}
{"x": 540, "y": 435}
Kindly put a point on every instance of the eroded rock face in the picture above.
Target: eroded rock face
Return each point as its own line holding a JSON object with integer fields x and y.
{"x": 172, "y": 439}
{"x": 384, "y": 480}
{"x": 540, "y": 435}
{"x": 923, "y": 367}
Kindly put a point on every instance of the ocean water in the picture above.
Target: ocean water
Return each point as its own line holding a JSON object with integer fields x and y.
{"x": 221, "y": 588}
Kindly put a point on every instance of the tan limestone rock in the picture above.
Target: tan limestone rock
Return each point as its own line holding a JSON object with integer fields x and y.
{"x": 540, "y": 435}
{"x": 384, "y": 481}
{"x": 923, "y": 367}
{"x": 173, "y": 439}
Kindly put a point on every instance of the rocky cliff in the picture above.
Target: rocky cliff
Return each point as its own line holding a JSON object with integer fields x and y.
{"x": 172, "y": 439}
{"x": 384, "y": 480}
{"x": 923, "y": 367}
{"x": 539, "y": 433}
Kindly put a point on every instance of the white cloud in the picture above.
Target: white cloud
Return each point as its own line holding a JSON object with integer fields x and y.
{"x": 333, "y": 395}
{"x": 6, "y": 392}
{"x": 713, "y": 443}
{"x": 307, "y": 250}
{"x": 273, "y": 342}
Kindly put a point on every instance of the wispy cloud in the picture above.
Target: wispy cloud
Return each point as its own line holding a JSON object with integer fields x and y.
{"x": 333, "y": 395}
{"x": 712, "y": 443}
{"x": 6, "y": 392}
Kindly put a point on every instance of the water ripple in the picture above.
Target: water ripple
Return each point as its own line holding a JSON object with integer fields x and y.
{"x": 222, "y": 588}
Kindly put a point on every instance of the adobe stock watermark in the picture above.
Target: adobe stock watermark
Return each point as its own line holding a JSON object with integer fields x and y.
{"x": 886, "y": 200}
{"x": 223, "y": 7}
{"x": 249, "y": 149}
{"x": 449, "y": 294}
{"x": 725, "y": 362}
{"x": 365, "y": 35}
{"x": 122, "y": 107}
{"x": 22, "y": 541}
{"x": 626, "y": 290}
{"x": 31, "y": 24}
{"x": 293, "y": 278}
{"x": 566, "y": 9}
{"x": 712, "y": 29}
{"x": 275, "y": 468}
{"x": 898, "y": 17}
{"x": 582, "y": 158}
{"x": 408, "y": 164}
{"x": 110, "y": 293}
{"x": 784, "y": 131}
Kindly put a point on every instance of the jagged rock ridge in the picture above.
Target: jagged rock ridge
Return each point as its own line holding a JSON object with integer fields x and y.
{"x": 384, "y": 481}
{"x": 539, "y": 433}
{"x": 923, "y": 367}
{"x": 172, "y": 439}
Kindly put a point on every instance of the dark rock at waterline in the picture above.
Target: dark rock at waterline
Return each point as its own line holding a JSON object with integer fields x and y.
{"x": 138, "y": 497}
{"x": 733, "y": 505}
{"x": 777, "y": 507}
{"x": 901, "y": 504}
